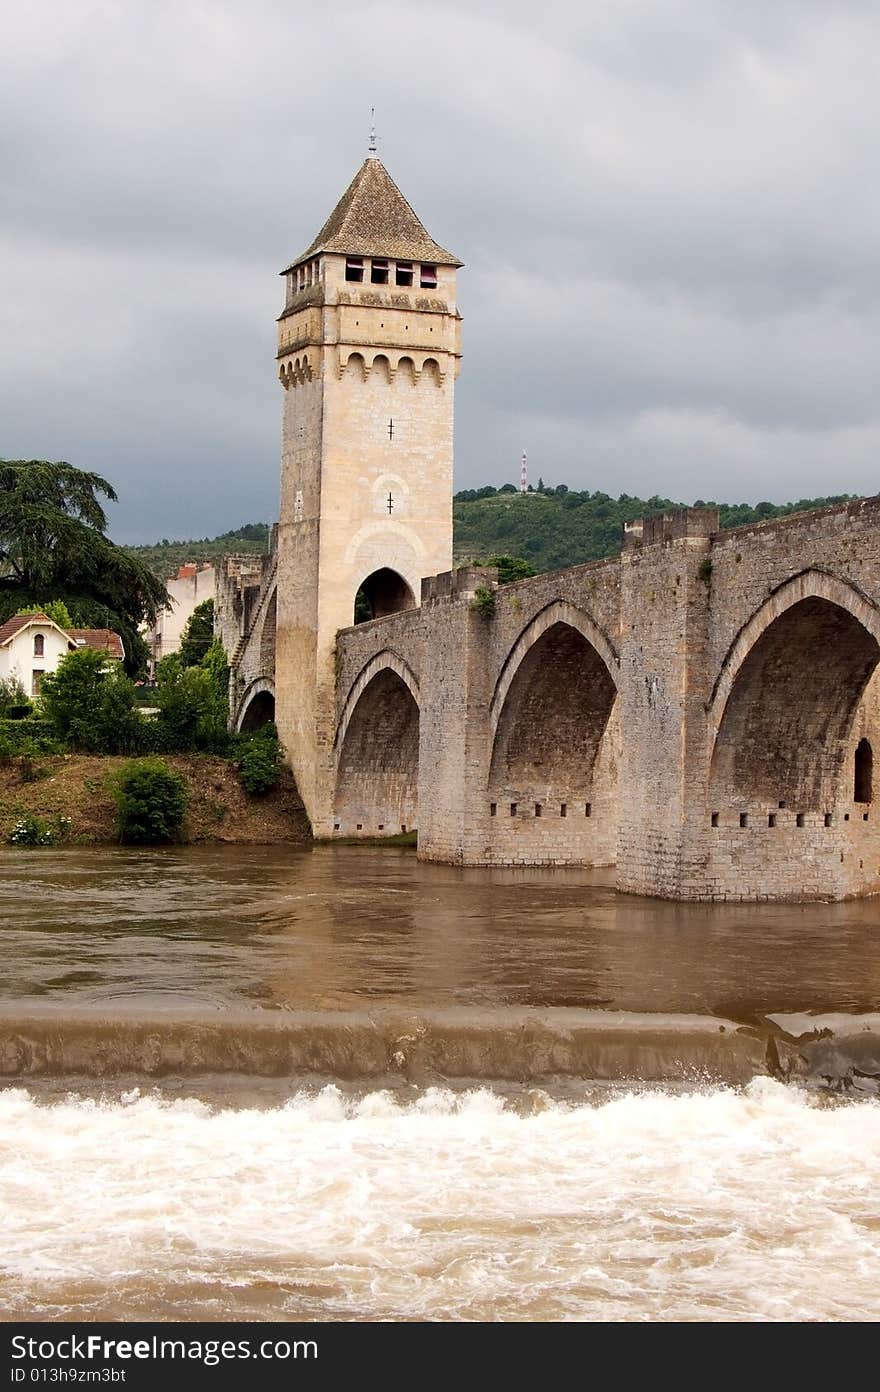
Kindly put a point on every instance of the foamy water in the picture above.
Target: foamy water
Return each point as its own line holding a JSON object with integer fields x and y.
{"x": 760, "y": 1204}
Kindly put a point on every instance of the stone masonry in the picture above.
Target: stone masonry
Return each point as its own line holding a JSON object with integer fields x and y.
{"x": 700, "y": 711}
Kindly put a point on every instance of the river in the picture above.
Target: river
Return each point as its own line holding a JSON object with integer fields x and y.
{"x": 264, "y": 1083}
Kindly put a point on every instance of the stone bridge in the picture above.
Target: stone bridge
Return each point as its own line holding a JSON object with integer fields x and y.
{"x": 698, "y": 711}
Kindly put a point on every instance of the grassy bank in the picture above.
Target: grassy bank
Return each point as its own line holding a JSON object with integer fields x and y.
{"x": 79, "y": 787}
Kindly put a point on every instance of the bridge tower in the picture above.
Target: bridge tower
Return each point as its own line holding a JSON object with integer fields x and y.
{"x": 368, "y": 353}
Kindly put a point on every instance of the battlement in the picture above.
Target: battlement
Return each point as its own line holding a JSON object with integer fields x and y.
{"x": 671, "y": 526}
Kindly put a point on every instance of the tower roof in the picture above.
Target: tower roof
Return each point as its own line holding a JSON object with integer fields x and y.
{"x": 372, "y": 218}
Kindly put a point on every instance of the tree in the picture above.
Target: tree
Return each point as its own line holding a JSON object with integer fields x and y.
{"x": 91, "y": 705}
{"x": 193, "y": 702}
{"x": 53, "y": 542}
{"x": 198, "y": 635}
{"x": 511, "y": 568}
{"x": 56, "y": 610}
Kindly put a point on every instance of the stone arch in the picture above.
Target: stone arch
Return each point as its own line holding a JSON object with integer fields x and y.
{"x": 809, "y": 584}
{"x": 257, "y": 705}
{"x": 407, "y": 369}
{"x": 384, "y": 591}
{"x": 378, "y": 752}
{"x": 381, "y": 363}
{"x": 559, "y": 611}
{"x": 431, "y": 369}
{"x": 389, "y": 659}
{"x": 356, "y": 363}
{"x": 553, "y": 773}
{"x": 786, "y": 696}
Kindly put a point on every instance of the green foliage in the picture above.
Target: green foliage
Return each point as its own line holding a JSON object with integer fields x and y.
{"x": 484, "y": 601}
{"x": 704, "y": 570}
{"x": 53, "y": 542}
{"x": 193, "y": 702}
{"x": 56, "y": 610}
{"x": 14, "y": 701}
{"x": 551, "y": 529}
{"x": 363, "y": 610}
{"x": 27, "y": 738}
{"x": 39, "y": 831}
{"x": 259, "y": 761}
{"x": 90, "y": 704}
{"x": 511, "y": 568}
{"x": 164, "y": 558}
{"x": 198, "y": 635}
{"x": 150, "y": 802}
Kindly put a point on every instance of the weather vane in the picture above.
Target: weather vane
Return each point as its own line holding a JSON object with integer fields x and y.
{"x": 372, "y": 145}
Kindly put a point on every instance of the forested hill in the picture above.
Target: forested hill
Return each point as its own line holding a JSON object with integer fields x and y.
{"x": 561, "y": 527}
{"x": 166, "y": 557}
{"x": 549, "y": 528}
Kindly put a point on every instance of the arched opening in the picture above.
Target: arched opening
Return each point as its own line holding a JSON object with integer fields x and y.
{"x": 553, "y": 778}
{"x": 259, "y": 711}
{"x": 863, "y": 780}
{"x": 377, "y": 781}
{"x": 783, "y": 736}
{"x": 382, "y": 593}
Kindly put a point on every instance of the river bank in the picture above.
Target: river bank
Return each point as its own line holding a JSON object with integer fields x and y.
{"x": 79, "y": 787}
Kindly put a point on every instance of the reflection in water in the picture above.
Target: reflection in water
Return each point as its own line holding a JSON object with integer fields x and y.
{"x": 348, "y": 927}
{"x": 578, "y": 1203}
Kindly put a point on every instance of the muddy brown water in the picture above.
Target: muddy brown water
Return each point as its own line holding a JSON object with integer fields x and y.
{"x": 259, "y": 1083}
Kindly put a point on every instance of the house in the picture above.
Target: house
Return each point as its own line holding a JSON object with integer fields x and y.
{"x": 190, "y": 586}
{"x": 30, "y": 646}
{"x": 103, "y": 639}
{"x": 33, "y": 644}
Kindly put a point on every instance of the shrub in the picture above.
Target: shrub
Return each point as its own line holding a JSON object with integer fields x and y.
{"x": 484, "y": 601}
{"x": 193, "y": 703}
{"x": 39, "y": 831}
{"x": 91, "y": 706}
{"x": 27, "y": 737}
{"x": 14, "y": 703}
{"x": 150, "y": 802}
{"x": 259, "y": 763}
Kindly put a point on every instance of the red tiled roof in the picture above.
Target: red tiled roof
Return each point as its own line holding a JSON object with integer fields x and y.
{"x": 104, "y": 639}
{"x": 20, "y": 621}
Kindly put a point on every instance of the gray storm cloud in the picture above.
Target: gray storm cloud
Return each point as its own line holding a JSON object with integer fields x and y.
{"x": 668, "y": 215}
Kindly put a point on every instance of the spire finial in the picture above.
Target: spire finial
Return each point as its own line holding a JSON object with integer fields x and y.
{"x": 372, "y": 145}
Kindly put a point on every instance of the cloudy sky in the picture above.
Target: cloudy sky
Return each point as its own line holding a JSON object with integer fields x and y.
{"x": 668, "y": 209}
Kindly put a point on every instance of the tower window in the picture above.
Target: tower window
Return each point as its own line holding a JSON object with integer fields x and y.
{"x": 379, "y": 272}
{"x": 863, "y": 790}
{"x": 403, "y": 273}
{"x": 39, "y": 644}
{"x": 354, "y": 268}
{"x": 428, "y": 277}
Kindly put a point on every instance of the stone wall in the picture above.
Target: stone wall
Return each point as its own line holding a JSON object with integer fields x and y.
{"x": 689, "y": 710}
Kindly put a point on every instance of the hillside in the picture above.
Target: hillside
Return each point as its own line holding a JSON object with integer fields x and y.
{"x": 562, "y": 527}
{"x": 550, "y": 528}
{"x": 165, "y": 557}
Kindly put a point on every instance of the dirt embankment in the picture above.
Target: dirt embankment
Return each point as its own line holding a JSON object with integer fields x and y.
{"x": 79, "y": 786}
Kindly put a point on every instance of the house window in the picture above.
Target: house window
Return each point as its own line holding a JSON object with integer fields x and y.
{"x": 379, "y": 272}
{"x": 403, "y": 273}
{"x": 428, "y": 278}
{"x": 39, "y": 644}
{"x": 863, "y": 790}
{"x": 36, "y": 681}
{"x": 354, "y": 268}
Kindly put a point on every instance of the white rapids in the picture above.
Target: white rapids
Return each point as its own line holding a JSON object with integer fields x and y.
{"x": 759, "y": 1204}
